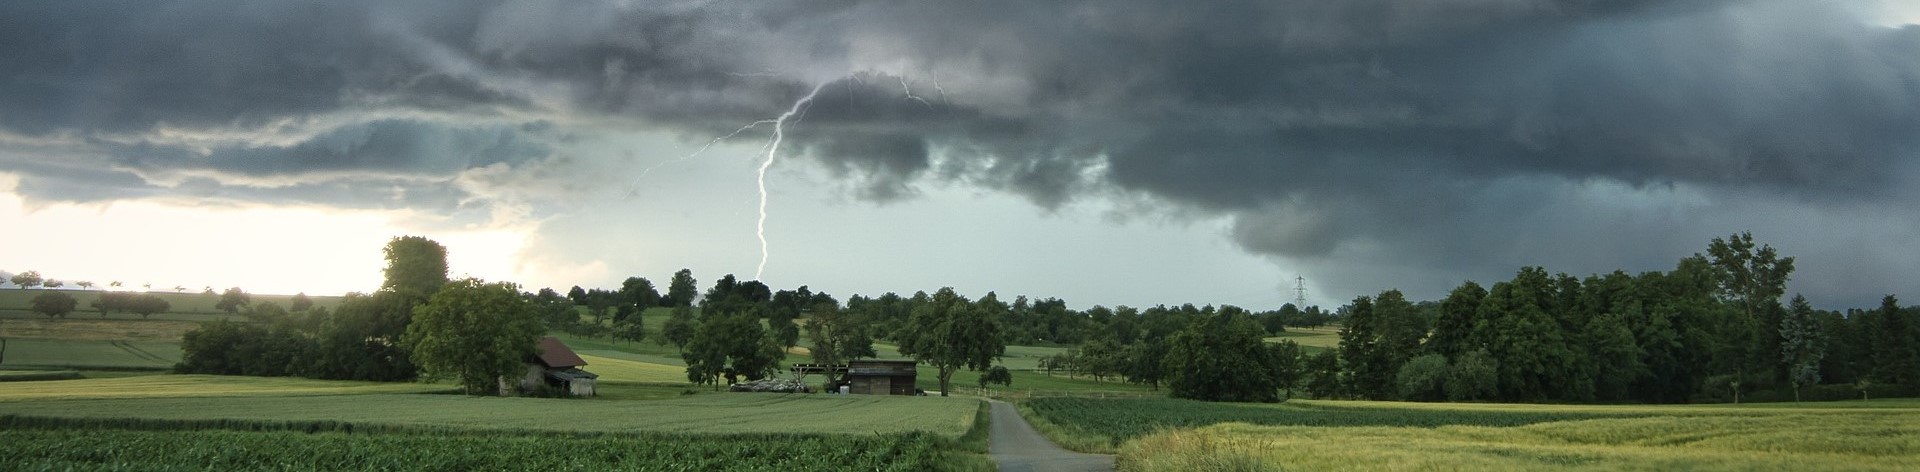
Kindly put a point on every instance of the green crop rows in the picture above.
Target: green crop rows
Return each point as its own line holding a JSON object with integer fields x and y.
{"x": 33, "y": 449}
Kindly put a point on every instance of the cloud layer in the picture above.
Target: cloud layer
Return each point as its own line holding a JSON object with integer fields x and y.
{"x": 1373, "y": 142}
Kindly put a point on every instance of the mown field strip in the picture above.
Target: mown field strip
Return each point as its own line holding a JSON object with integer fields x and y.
{"x": 188, "y": 399}
{"x": 92, "y": 353}
{"x": 170, "y": 386}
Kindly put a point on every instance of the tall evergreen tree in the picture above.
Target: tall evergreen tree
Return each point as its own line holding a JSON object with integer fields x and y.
{"x": 1802, "y": 345}
{"x": 1894, "y": 357}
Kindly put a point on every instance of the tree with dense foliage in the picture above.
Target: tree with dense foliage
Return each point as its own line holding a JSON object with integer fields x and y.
{"x": 838, "y": 338}
{"x": 361, "y": 340}
{"x": 682, "y": 289}
{"x": 577, "y": 295}
{"x": 1222, "y": 357}
{"x": 233, "y": 300}
{"x": 1894, "y": 350}
{"x": 997, "y": 375}
{"x": 54, "y": 304}
{"x": 678, "y": 329}
{"x": 556, "y": 311}
{"x": 146, "y": 305}
{"x": 475, "y": 333}
{"x": 950, "y": 333}
{"x": 1289, "y": 368}
{"x": 729, "y": 346}
{"x": 415, "y": 265}
{"x": 639, "y": 293}
{"x": 1378, "y": 336}
{"x": 1475, "y": 375}
{"x": 1456, "y": 321}
{"x": 300, "y": 302}
{"x": 1802, "y": 345}
{"x": 26, "y": 280}
{"x": 54, "y": 284}
{"x": 1323, "y": 375}
{"x": 85, "y": 284}
{"x": 1423, "y": 378}
{"x": 1751, "y": 281}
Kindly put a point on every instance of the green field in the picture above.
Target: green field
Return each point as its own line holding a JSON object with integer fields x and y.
{"x": 190, "y": 397}
{"x": 91, "y": 354}
{"x": 57, "y": 449}
{"x": 1156, "y": 434}
{"x": 155, "y": 422}
{"x": 1311, "y": 341}
{"x": 173, "y": 386}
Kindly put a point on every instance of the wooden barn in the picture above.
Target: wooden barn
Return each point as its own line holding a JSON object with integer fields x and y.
{"x": 881, "y": 377}
{"x": 558, "y": 367}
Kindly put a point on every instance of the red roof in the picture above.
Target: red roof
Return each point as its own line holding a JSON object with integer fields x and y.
{"x": 555, "y": 354}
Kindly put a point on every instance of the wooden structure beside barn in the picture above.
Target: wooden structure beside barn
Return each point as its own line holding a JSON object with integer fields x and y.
{"x": 875, "y": 377}
{"x": 556, "y": 366}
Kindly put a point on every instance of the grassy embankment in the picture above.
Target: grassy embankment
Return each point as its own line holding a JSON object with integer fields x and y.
{"x": 1165, "y": 434}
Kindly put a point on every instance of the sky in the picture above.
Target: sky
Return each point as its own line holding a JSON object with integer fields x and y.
{"x": 1104, "y": 152}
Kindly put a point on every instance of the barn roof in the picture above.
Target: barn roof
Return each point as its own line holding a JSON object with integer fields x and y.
{"x": 555, "y": 354}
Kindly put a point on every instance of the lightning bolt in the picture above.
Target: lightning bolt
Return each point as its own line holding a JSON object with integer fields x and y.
{"x": 773, "y": 153}
{"x": 793, "y": 115}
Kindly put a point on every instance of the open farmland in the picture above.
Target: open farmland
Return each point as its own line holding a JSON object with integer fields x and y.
{"x": 1788, "y": 441}
{"x": 195, "y": 397}
{"x": 92, "y": 353}
{"x": 174, "y": 386}
{"x": 34, "y": 449}
{"x": 1166, "y": 434}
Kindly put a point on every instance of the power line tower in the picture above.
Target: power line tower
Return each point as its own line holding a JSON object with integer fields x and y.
{"x": 1300, "y": 292}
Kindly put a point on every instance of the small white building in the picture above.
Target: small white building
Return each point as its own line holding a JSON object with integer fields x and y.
{"x": 558, "y": 367}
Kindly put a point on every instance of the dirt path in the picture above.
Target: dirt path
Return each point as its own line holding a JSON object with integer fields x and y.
{"x": 1018, "y": 448}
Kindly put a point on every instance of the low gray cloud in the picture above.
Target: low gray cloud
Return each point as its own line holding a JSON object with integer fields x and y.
{"x": 1416, "y": 140}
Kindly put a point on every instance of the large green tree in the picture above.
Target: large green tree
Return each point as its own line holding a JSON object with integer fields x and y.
{"x": 233, "y": 300}
{"x": 416, "y": 266}
{"x": 1222, "y": 357}
{"x": 26, "y": 280}
{"x": 54, "y": 304}
{"x": 474, "y": 332}
{"x": 1455, "y": 324}
{"x": 838, "y": 337}
{"x": 682, "y": 289}
{"x": 1896, "y": 358}
{"x": 678, "y": 329}
{"x": 950, "y": 333}
{"x": 729, "y": 346}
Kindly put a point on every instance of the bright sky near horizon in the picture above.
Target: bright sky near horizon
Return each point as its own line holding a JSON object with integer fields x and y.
{"x": 1089, "y": 151}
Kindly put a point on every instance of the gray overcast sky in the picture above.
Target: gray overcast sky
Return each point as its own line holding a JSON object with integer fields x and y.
{"x": 1106, "y": 152}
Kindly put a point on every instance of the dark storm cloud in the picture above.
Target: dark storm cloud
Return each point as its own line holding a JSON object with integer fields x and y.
{"x": 1440, "y": 137}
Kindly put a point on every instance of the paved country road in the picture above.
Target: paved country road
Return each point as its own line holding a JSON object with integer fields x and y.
{"x": 1018, "y": 448}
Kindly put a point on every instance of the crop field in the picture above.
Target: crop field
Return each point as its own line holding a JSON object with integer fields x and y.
{"x": 200, "y": 397}
{"x": 1153, "y": 434}
{"x": 33, "y": 449}
{"x": 92, "y": 353}
{"x": 1787, "y": 441}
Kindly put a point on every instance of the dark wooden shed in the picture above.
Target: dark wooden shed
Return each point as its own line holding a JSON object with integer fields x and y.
{"x": 875, "y": 377}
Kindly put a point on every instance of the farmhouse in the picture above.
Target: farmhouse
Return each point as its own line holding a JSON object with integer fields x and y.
{"x": 558, "y": 367}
